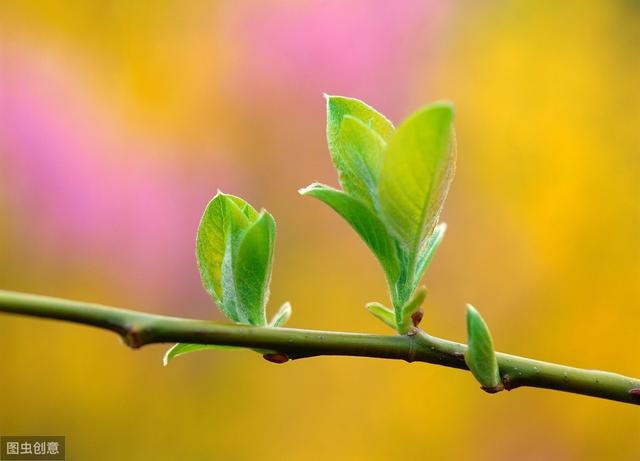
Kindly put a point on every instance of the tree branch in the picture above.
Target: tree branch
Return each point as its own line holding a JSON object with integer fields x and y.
{"x": 138, "y": 329}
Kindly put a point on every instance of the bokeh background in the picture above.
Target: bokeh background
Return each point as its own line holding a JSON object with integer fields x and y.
{"x": 119, "y": 120}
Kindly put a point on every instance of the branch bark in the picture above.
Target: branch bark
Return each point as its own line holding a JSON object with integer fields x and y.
{"x": 138, "y": 329}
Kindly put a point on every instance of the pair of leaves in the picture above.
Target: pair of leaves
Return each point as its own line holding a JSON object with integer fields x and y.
{"x": 234, "y": 249}
{"x": 394, "y": 184}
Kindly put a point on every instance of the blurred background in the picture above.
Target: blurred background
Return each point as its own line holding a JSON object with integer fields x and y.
{"x": 119, "y": 121}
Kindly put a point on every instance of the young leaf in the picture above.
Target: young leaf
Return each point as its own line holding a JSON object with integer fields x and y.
{"x": 252, "y": 268}
{"x": 428, "y": 250}
{"x": 480, "y": 356}
{"x": 234, "y": 248}
{"x": 365, "y": 223}
{"x": 357, "y": 154}
{"x": 418, "y": 167}
{"x": 282, "y": 316}
{"x": 382, "y": 313}
{"x": 212, "y": 239}
{"x": 236, "y": 224}
{"x": 184, "y": 348}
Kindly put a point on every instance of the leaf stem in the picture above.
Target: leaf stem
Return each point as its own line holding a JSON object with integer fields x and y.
{"x": 138, "y": 329}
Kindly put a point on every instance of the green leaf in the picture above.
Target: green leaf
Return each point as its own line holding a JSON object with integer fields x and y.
{"x": 234, "y": 248}
{"x": 405, "y": 322}
{"x": 418, "y": 167}
{"x": 362, "y": 152}
{"x": 365, "y": 223}
{"x": 428, "y": 250}
{"x": 236, "y": 225}
{"x": 212, "y": 239}
{"x": 252, "y": 268}
{"x": 480, "y": 356}
{"x": 357, "y": 153}
{"x": 184, "y": 348}
{"x": 382, "y": 313}
{"x": 282, "y": 316}
{"x": 339, "y": 106}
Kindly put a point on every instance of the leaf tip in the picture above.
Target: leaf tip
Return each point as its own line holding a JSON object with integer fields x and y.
{"x": 421, "y": 294}
{"x": 476, "y": 326}
{"x": 445, "y": 104}
{"x": 331, "y": 101}
{"x": 305, "y": 190}
{"x": 219, "y": 194}
{"x": 282, "y": 316}
{"x": 331, "y": 97}
{"x": 168, "y": 355}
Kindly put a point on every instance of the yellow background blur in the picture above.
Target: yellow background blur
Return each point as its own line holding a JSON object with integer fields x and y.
{"x": 119, "y": 120}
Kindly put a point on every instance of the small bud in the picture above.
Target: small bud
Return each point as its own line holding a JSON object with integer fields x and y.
{"x": 481, "y": 356}
{"x": 276, "y": 357}
{"x": 416, "y": 317}
{"x": 410, "y": 308}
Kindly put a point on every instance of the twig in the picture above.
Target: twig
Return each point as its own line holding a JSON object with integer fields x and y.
{"x": 138, "y": 329}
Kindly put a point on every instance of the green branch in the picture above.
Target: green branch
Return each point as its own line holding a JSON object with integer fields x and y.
{"x": 138, "y": 329}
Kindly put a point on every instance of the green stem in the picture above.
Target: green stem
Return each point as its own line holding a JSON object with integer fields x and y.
{"x": 138, "y": 329}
